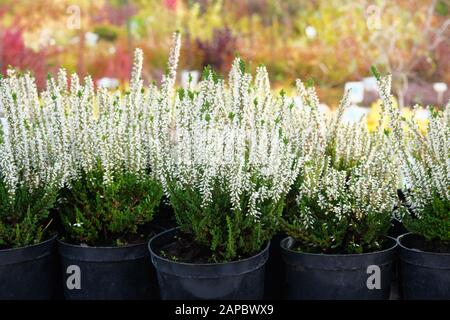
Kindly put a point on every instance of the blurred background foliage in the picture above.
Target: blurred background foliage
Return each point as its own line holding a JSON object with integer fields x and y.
{"x": 332, "y": 42}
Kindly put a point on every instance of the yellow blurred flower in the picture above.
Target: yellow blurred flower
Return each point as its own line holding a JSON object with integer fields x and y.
{"x": 373, "y": 116}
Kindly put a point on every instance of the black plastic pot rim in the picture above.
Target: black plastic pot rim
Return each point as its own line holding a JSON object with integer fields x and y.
{"x": 15, "y": 255}
{"x": 102, "y": 253}
{"x": 424, "y": 259}
{"x": 337, "y": 262}
{"x": 343, "y": 254}
{"x": 440, "y": 254}
{"x": 200, "y": 264}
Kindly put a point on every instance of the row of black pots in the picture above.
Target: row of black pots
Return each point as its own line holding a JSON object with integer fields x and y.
{"x": 127, "y": 273}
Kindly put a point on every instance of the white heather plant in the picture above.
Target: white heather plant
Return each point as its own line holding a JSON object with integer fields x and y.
{"x": 31, "y": 164}
{"x": 112, "y": 188}
{"x": 230, "y": 163}
{"x": 344, "y": 197}
{"x": 426, "y": 167}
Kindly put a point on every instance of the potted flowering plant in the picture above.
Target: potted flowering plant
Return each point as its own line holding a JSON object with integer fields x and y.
{"x": 339, "y": 211}
{"x": 228, "y": 168}
{"x": 425, "y": 251}
{"x": 112, "y": 189}
{"x": 30, "y": 175}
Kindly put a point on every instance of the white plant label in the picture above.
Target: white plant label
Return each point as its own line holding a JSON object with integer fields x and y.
{"x": 356, "y": 88}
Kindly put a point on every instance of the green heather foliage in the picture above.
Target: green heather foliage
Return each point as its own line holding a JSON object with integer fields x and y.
{"x": 24, "y": 219}
{"x": 434, "y": 221}
{"x": 96, "y": 213}
{"x": 229, "y": 234}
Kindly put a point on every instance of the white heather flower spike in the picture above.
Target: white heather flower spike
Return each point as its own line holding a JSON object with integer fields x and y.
{"x": 31, "y": 149}
{"x": 169, "y": 79}
{"x": 426, "y": 161}
{"x": 137, "y": 67}
{"x": 347, "y": 171}
{"x": 65, "y": 131}
{"x": 232, "y": 135}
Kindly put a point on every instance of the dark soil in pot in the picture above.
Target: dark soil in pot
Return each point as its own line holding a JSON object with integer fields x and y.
{"x": 29, "y": 273}
{"x": 424, "y": 268}
{"x": 107, "y": 273}
{"x": 184, "y": 249}
{"x": 190, "y": 275}
{"x": 363, "y": 276}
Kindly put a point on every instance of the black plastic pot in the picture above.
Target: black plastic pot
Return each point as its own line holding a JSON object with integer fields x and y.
{"x": 424, "y": 275}
{"x": 107, "y": 273}
{"x": 274, "y": 275}
{"x": 28, "y": 273}
{"x": 243, "y": 279}
{"x": 397, "y": 229}
{"x": 337, "y": 276}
